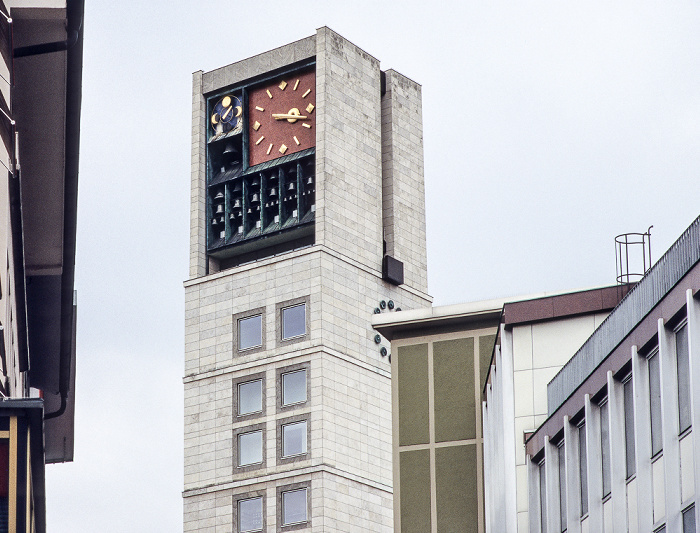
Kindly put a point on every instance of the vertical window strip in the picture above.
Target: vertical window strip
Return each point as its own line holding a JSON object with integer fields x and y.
{"x": 689, "y": 519}
{"x": 583, "y": 468}
{"x": 543, "y": 498}
{"x": 655, "y": 404}
{"x": 683, "y": 372}
{"x": 631, "y": 464}
{"x": 562, "y": 486}
{"x": 605, "y": 446}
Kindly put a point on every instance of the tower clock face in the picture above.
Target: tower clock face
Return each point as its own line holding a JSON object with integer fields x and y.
{"x": 282, "y": 117}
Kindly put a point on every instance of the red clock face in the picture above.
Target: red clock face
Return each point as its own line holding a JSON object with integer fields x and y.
{"x": 282, "y": 117}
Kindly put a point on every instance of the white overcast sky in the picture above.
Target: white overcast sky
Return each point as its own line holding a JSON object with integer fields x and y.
{"x": 549, "y": 128}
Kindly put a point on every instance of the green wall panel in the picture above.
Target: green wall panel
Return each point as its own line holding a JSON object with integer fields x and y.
{"x": 453, "y": 370}
{"x": 456, "y": 494}
{"x": 415, "y": 491}
{"x": 485, "y": 351}
{"x": 413, "y": 394}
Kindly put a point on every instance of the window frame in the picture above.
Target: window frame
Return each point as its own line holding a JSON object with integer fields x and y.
{"x": 236, "y": 397}
{"x": 259, "y": 311}
{"x": 281, "y": 459}
{"x": 655, "y": 407}
{"x": 582, "y": 469}
{"x": 306, "y": 485}
{"x": 238, "y": 469}
{"x": 288, "y": 370}
{"x": 237, "y": 498}
{"x": 685, "y": 395}
{"x": 280, "y": 326}
{"x": 605, "y": 452}
{"x": 630, "y": 429}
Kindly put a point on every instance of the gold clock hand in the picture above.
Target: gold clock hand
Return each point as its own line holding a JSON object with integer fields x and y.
{"x": 282, "y": 116}
{"x": 227, "y": 112}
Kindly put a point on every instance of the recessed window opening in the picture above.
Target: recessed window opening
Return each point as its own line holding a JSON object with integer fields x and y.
{"x": 250, "y": 332}
{"x": 294, "y": 321}
{"x": 583, "y": 468}
{"x": 250, "y": 515}
{"x": 605, "y": 446}
{"x": 294, "y": 507}
{"x": 683, "y": 373}
{"x": 543, "y": 497}
{"x": 294, "y": 439}
{"x": 250, "y": 448}
{"x": 294, "y": 387}
{"x": 250, "y": 397}
{"x": 655, "y": 403}
{"x": 561, "y": 456}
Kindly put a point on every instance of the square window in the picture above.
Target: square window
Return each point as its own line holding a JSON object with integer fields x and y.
{"x": 294, "y": 387}
{"x": 294, "y": 321}
{"x": 250, "y": 397}
{"x": 293, "y": 507}
{"x": 250, "y": 515}
{"x": 250, "y": 448}
{"x": 294, "y": 439}
{"x": 249, "y": 332}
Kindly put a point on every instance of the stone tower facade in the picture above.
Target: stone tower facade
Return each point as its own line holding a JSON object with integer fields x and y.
{"x": 287, "y": 391}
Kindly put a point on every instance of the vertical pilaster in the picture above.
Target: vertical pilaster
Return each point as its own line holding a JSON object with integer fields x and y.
{"x": 693, "y": 307}
{"x": 573, "y": 481}
{"x": 642, "y": 441}
{"x": 594, "y": 466}
{"x": 508, "y": 399}
{"x": 618, "y": 464}
{"x": 533, "y": 480}
{"x": 198, "y": 228}
{"x": 551, "y": 463}
{"x": 669, "y": 417}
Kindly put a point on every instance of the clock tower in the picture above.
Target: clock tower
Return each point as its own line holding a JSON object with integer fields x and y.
{"x": 307, "y": 217}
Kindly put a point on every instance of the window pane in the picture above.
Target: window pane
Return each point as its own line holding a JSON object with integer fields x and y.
{"x": 294, "y": 321}
{"x": 605, "y": 447}
{"x": 250, "y": 515}
{"x": 655, "y": 404}
{"x": 689, "y": 520}
{"x": 294, "y": 387}
{"x": 250, "y": 448}
{"x": 583, "y": 468}
{"x": 562, "y": 487}
{"x": 293, "y": 507}
{"x": 543, "y": 498}
{"x": 294, "y": 439}
{"x": 683, "y": 368}
{"x": 250, "y": 332}
{"x": 250, "y": 397}
{"x": 629, "y": 429}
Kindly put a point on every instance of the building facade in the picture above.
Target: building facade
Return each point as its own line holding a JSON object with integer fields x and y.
{"x": 40, "y": 103}
{"x": 536, "y": 337}
{"x": 307, "y": 217}
{"x": 619, "y": 450}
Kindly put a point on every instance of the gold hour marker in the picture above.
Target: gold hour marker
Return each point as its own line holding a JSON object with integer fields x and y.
{"x": 268, "y": 93}
{"x": 259, "y": 108}
{"x": 296, "y": 84}
{"x": 309, "y": 108}
{"x": 306, "y": 93}
{"x": 283, "y": 85}
{"x": 256, "y": 126}
{"x": 306, "y": 125}
{"x": 259, "y": 140}
{"x": 296, "y": 140}
{"x": 269, "y": 149}
{"x": 283, "y": 149}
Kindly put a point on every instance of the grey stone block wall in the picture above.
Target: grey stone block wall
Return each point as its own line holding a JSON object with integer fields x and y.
{"x": 403, "y": 184}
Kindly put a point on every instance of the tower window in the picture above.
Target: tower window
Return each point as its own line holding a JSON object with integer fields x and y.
{"x": 250, "y": 448}
{"x": 250, "y": 515}
{"x": 294, "y": 507}
{"x": 294, "y": 387}
{"x": 293, "y": 321}
{"x": 249, "y": 332}
{"x": 250, "y": 397}
{"x": 294, "y": 439}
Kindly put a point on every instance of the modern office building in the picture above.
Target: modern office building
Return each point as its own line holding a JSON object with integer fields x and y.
{"x": 536, "y": 337}
{"x": 40, "y": 101}
{"x": 444, "y": 361}
{"x": 307, "y": 217}
{"x": 619, "y": 448}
